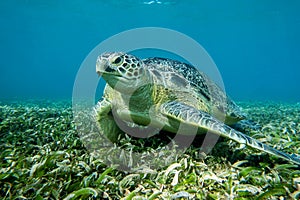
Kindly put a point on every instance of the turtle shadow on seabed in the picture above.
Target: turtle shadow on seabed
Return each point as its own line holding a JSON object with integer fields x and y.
{"x": 203, "y": 143}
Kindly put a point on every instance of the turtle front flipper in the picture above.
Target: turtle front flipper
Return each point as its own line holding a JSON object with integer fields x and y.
{"x": 105, "y": 120}
{"x": 246, "y": 125}
{"x": 178, "y": 113}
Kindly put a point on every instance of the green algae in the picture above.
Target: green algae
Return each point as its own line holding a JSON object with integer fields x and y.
{"x": 42, "y": 157}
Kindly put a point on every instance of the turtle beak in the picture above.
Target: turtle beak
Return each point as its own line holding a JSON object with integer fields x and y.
{"x": 101, "y": 65}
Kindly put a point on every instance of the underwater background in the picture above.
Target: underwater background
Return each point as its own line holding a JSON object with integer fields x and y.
{"x": 255, "y": 44}
{"x": 43, "y": 154}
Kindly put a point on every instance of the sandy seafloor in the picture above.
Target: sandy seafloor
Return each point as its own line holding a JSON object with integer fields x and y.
{"x": 42, "y": 157}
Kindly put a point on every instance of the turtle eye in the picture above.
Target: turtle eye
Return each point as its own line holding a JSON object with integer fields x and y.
{"x": 118, "y": 60}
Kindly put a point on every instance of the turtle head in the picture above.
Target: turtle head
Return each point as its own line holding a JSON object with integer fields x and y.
{"x": 121, "y": 71}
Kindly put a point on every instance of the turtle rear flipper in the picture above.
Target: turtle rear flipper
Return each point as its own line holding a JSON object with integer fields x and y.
{"x": 181, "y": 113}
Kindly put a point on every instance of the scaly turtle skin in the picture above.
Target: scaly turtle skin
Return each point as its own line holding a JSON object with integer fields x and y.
{"x": 167, "y": 94}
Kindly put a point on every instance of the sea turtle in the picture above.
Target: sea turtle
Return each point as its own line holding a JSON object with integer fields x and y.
{"x": 166, "y": 94}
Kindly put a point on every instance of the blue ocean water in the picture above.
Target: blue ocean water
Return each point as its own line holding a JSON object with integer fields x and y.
{"x": 255, "y": 44}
